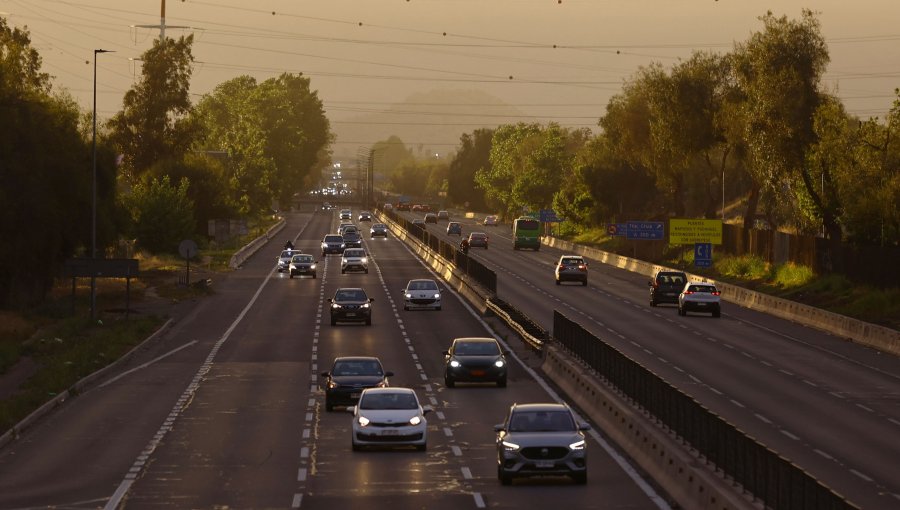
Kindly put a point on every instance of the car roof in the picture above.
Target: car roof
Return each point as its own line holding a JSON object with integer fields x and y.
{"x": 541, "y": 406}
{"x": 287, "y": 253}
{"x": 478, "y": 234}
{"x": 302, "y": 255}
{"x": 390, "y": 390}
{"x": 475, "y": 339}
{"x": 692, "y": 282}
{"x": 357, "y": 358}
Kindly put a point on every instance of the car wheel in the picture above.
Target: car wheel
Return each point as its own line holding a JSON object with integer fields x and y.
{"x": 437, "y": 309}
{"x": 329, "y": 406}
{"x": 291, "y": 276}
{"x": 580, "y": 478}
{"x": 501, "y": 383}
{"x": 314, "y": 276}
{"x": 516, "y": 248}
{"x": 448, "y": 382}
{"x": 681, "y": 311}
{"x": 342, "y": 271}
{"x": 717, "y": 312}
{"x": 333, "y": 321}
{"x": 367, "y": 271}
{"x": 355, "y": 447}
{"x": 368, "y": 321}
{"x": 406, "y": 308}
{"x": 557, "y": 282}
{"x": 537, "y": 249}
{"x": 421, "y": 447}
{"x": 584, "y": 283}
{"x": 652, "y": 303}
{"x": 504, "y": 478}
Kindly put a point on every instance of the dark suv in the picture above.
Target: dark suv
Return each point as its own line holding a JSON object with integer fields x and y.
{"x": 541, "y": 439}
{"x": 665, "y": 287}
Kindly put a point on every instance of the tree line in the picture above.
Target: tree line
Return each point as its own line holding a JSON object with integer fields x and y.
{"x": 164, "y": 166}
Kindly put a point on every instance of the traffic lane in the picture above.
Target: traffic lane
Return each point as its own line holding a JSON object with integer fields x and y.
{"x": 230, "y": 444}
{"x": 430, "y": 333}
{"x": 112, "y": 424}
{"x": 725, "y": 353}
{"x": 337, "y": 474}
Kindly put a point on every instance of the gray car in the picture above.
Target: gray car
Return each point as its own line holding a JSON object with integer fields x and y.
{"x": 541, "y": 440}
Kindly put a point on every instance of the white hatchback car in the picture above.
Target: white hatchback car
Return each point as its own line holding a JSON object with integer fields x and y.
{"x": 699, "y": 297}
{"x": 389, "y": 417}
{"x": 354, "y": 259}
{"x": 422, "y": 294}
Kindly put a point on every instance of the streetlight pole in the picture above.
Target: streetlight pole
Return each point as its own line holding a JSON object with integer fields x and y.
{"x": 94, "y": 192}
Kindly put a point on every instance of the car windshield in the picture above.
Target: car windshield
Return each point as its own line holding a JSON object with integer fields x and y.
{"x": 477, "y": 236}
{"x": 701, "y": 288}
{"x": 286, "y": 254}
{"x": 388, "y": 401}
{"x": 476, "y": 349}
{"x": 351, "y": 236}
{"x": 302, "y": 258}
{"x": 333, "y": 239}
{"x": 541, "y": 421}
{"x": 573, "y": 262}
{"x": 350, "y": 295}
{"x": 357, "y": 367}
{"x": 354, "y": 253}
{"x": 422, "y": 285}
{"x": 378, "y": 226}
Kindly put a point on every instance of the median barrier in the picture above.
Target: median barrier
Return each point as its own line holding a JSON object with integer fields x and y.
{"x": 253, "y": 246}
{"x": 861, "y": 332}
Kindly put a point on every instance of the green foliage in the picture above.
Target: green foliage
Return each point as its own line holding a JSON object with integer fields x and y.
{"x": 389, "y": 155}
{"x": 744, "y": 267}
{"x": 472, "y": 155}
{"x": 154, "y": 124}
{"x": 792, "y": 275}
{"x": 274, "y": 134}
{"x": 161, "y": 214}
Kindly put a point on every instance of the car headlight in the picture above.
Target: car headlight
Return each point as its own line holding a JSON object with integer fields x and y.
{"x": 335, "y": 306}
{"x": 454, "y": 363}
{"x": 332, "y": 385}
{"x": 312, "y": 266}
{"x": 365, "y": 305}
{"x": 415, "y": 420}
{"x": 363, "y": 421}
{"x": 499, "y": 363}
{"x": 510, "y": 447}
{"x": 408, "y": 295}
{"x": 364, "y": 260}
{"x": 437, "y": 296}
{"x": 579, "y": 445}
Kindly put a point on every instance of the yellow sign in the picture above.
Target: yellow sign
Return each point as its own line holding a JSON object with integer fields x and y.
{"x": 682, "y": 231}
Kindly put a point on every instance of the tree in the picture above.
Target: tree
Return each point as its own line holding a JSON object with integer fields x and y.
{"x": 161, "y": 214}
{"x": 473, "y": 155}
{"x": 154, "y": 124}
{"x": 507, "y": 160}
{"x": 45, "y": 167}
{"x": 779, "y": 70}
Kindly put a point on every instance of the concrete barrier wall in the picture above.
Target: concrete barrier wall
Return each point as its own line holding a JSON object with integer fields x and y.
{"x": 247, "y": 251}
{"x": 865, "y": 333}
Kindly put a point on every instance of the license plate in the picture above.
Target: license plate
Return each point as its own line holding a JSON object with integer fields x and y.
{"x": 701, "y": 304}
{"x": 390, "y": 432}
{"x": 478, "y": 373}
{"x": 351, "y": 314}
{"x": 544, "y": 464}
{"x": 354, "y": 395}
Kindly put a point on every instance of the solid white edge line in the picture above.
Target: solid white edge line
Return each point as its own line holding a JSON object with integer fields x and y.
{"x": 147, "y": 364}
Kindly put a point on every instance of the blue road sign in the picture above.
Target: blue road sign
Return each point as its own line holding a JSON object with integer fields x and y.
{"x": 702, "y": 254}
{"x": 645, "y": 230}
{"x": 549, "y": 216}
{"x": 616, "y": 229}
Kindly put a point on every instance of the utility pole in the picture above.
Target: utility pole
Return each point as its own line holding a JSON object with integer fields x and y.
{"x": 162, "y": 23}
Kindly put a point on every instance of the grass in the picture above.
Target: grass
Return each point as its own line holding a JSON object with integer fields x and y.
{"x": 50, "y": 348}
{"x": 799, "y": 283}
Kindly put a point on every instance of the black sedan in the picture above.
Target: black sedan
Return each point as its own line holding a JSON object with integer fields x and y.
{"x": 351, "y": 305}
{"x": 351, "y": 240}
{"x": 350, "y": 375}
{"x": 474, "y": 360}
{"x": 378, "y": 230}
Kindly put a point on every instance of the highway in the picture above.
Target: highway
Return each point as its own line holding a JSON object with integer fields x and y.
{"x": 830, "y": 406}
{"x": 224, "y": 409}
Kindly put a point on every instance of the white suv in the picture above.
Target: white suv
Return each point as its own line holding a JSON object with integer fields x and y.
{"x": 354, "y": 259}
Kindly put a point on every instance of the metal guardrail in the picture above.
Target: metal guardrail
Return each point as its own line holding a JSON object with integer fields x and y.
{"x": 532, "y": 333}
{"x": 760, "y": 471}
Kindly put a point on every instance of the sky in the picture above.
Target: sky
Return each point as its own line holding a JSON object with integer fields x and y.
{"x": 553, "y": 60}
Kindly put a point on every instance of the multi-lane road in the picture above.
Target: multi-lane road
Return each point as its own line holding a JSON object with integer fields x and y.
{"x": 830, "y": 406}
{"x": 224, "y": 409}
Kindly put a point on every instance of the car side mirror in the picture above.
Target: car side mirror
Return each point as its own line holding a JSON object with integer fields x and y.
{"x": 650, "y": 283}
{"x": 371, "y": 300}
{"x": 584, "y": 426}
{"x": 426, "y": 410}
{"x": 325, "y": 374}
{"x": 498, "y": 427}
{"x": 446, "y": 353}
{"x": 330, "y": 300}
{"x": 351, "y": 409}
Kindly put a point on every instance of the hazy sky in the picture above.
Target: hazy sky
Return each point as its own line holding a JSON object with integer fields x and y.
{"x": 363, "y": 55}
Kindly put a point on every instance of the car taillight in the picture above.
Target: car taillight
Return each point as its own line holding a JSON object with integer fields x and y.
{"x": 582, "y": 266}
{"x": 716, "y": 293}
{"x": 561, "y": 266}
{"x": 688, "y": 292}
